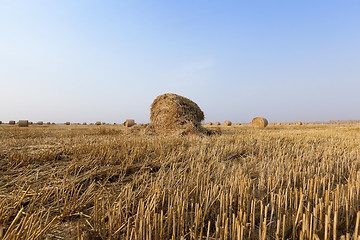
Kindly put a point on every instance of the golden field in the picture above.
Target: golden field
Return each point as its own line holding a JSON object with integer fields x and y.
{"x": 112, "y": 182}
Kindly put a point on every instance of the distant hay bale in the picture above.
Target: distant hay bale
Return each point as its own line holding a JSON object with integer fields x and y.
{"x": 129, "y": 123}
{"x": 98, "y": 123}
{"x": 278, "y": 124}
{"x": 227, "y": 123}
{"x": 67, "y": 123}
{"x": 217, "y": 123}
{"x": 23, "y": 123}
{"x": 0, "y": 122}
{"x": 174, "y": 114}
{"x": 209, "y": 123}
{"x": 299, "y": 123}
{"x": 84, "y": 123}
{"x": 40, "y": 123}
{"x": 12, "y": 122}
{"x": 259, "y": 122}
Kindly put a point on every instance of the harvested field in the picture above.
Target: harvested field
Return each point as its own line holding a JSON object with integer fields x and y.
{"x": 111, "y": 182}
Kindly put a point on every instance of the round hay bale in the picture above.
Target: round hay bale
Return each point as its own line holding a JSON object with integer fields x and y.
{"x": 227, "y": 123}
{"x": 209, "y": 123}
{"x": 40, "y": 123}
{"x": 12, "y": 122}
{"x": 278, "y": 124}
{"x": 84, "y": 123}
{"x": 299, "y": 123}
{"x": 259, "y": 122}
{"x": 23, "y": 123}
{"x": 98, "y": 123}
{"x": 174, "y": 114}
{"x": 0, "y": 122}
{"x": 217, "y": 123}
{"x": 67, "y": 123}
{"x": 129, "y": 123}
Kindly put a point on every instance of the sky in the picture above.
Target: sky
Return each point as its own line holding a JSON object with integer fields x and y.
{"x": 95, "y": 60}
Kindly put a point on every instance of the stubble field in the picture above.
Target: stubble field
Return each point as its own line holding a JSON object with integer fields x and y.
{"x": 112, "y": 182}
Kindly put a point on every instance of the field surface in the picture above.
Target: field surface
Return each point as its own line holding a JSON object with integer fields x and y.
{"x": 112, "y": 182}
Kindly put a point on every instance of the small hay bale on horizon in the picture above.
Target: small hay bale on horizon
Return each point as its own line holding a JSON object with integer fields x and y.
{"x": 12, "y": 122}
{"x": 299, "y": 123}
{"x": 217, "y": 123}
{"x": 40, "y": 123}
{"x": 129, "y": 123}
{"x": 227, "y": 123}
{"x": 98, "y": 123}
{"x": 259, "y": 122}
{"x": 84, "y": 123}
{"x": 67, "y": 123}
{"x": 23, "y": 123}
{"x": 172, "y": 114}
{"x": 0, "y": 122}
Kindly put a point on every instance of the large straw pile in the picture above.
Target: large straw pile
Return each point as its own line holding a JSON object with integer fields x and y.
{"x": 174, "y": 114}
{"x": 259, "y": 122}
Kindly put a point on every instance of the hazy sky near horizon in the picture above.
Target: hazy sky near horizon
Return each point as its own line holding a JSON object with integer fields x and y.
{"x": 90, "y": 60}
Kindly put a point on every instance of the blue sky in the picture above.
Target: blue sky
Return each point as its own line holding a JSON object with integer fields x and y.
{"x": 108, "y": 60}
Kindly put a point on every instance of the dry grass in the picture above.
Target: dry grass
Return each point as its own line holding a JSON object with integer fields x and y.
{"x": 108, "y": 182}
